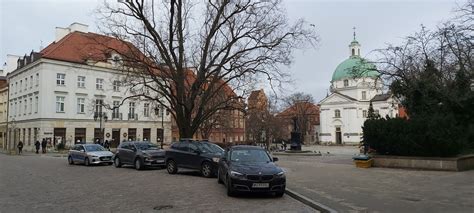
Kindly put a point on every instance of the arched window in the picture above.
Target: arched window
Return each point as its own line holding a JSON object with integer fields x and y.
{"x": 346, "y": 83}
{"x": 337, "y": 113}
{"x": 358, "y": 52}
{"x": 353, "y": 52}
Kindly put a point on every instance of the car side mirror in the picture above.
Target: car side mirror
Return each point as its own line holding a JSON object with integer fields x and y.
{"x": 133, "y": 149}
{"x": 197, "y": 152}
{"x": 82, "y": 150}
{"x": 275, "y": 159}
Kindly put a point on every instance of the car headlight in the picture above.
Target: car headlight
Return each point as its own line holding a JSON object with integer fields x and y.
{"x": 94, "y": 156}
{"x": 280, "y": 174}
{"x": 147, "y": 158}
{"x": 237, "y": 175}
{"x": 215, "y": 160}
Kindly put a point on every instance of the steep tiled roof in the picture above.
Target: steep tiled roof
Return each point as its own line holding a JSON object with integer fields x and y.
{"x": 78, "y": 47}
{"x": 254, "y": 94}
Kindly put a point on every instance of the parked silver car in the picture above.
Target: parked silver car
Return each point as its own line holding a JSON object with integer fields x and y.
{"x": 89, "y": 154}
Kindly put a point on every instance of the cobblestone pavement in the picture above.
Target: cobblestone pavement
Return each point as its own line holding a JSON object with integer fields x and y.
{"x": 32, "y": 183}
{"x": 334, "y": 181}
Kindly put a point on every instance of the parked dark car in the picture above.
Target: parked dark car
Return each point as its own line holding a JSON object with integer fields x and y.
{"x": 140, "y": 154}
{"x": 197, "y": 155}
{"x": 250, "y": 169}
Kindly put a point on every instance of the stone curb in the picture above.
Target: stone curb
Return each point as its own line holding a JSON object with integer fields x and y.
{"x": 296, "y": 154}
{"x": 313, "y": 204}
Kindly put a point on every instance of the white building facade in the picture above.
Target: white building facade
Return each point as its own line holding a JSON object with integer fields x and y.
{"x": 355, "y": 84}
{"x": 55, "y": 96}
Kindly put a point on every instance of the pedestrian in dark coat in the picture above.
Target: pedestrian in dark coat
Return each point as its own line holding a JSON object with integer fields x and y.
{"x": 20, "y": 147}
{"x": 43, "y": 145}
{"x": 107, "y": 144}
{"x": 37, "y": 146}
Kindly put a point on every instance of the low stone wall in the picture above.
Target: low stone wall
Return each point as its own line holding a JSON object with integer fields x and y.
{"x": 427, "y": 163}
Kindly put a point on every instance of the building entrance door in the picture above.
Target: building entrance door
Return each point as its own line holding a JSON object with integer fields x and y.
{"x": 115, "y": 138}
{"x": 338, "y": 135}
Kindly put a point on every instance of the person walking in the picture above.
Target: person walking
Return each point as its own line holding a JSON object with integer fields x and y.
{"x": 107, "y": 144}
{"x": 20, "y": 147}
{"x": 43, "y": 145}
{"x": 37, "y": 146}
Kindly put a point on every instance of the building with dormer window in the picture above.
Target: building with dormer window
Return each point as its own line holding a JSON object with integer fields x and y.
{"x": 60, "y": 92}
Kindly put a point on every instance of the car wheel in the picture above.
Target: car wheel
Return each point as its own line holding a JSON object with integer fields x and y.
{"x": 230, "y": 190}
{"x": 70, "y": 161}
{"x": 171, "y": 167}
{"x": 219, "y": 181}
{"x": 138, "y": 164}
{"x": 87, "y": 162}
{"x": 279, "y": 194}
{"x": 206, "y": 169}
{"x": 117, "y": 162}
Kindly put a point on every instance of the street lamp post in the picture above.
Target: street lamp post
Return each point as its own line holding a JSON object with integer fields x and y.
{"x": 102, "y": 117}
{"x": 13, "y": 129}
{"x": 161, "y": 138}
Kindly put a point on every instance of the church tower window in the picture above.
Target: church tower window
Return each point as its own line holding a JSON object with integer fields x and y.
{"x": 364, "y": 95}
{"x": 346, "y": 83}
{"x": 337, "y": 113}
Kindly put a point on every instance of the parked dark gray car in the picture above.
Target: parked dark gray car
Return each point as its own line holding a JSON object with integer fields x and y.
{"x": 141, "y": 154}
{"x": 197, "y": 155}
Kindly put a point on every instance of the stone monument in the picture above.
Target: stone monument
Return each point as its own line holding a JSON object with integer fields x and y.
{"x": 295, "y": 137}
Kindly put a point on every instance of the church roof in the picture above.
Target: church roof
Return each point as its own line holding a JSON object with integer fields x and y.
{"x": 354, "y": 66}
{"x": 381, "y": 97}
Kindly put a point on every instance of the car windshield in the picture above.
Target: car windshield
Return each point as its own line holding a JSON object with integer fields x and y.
{"x": 210, "y": 148}
{"x": 94, "y": 148}
{"x": 146, "y": 146}
{"x": 249, "y": 155}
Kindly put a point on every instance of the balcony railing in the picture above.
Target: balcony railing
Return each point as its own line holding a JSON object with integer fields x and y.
{"x": 132, "y": 116}
{"x": 117, "y": 116}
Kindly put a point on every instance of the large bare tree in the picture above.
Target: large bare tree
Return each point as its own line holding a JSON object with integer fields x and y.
{"x": 193, "y": 49}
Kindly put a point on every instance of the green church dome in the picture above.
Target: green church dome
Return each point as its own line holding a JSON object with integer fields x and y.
{"x": 354, "y": 66}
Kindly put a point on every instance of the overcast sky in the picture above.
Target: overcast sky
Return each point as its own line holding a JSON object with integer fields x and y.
{"x": 26, "y": 24}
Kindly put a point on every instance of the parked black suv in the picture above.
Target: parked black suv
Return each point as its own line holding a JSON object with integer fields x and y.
{"x": 250, "y": 169}
{"x": 198, "y": 155}
{"x": 140, "y": 154}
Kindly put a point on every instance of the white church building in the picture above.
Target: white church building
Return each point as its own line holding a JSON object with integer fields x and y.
{"x": 355, "y": 83}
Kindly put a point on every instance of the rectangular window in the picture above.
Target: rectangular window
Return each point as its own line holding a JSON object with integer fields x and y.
{"x": 36, "y": 104}
{"x": 15, "y": 109}
{"x": 131, "y": 110}
{"x": 98, "y": 105}
{"x": 60, "y": 103}
{"x": 31, "y": 82}
{"x": 364, "y": 113}
{"x": 116, "y": 110}
{"x": 21, "y": 84}
{"x": 26, "y": 83}
{"x": 16, "y": 87}
{"x": 19, "y": 109}
{"x": 116, "y": 86}
{"x": 146, "y": 110}
{"x": 60, "y": 79}
{"x": 81, "y": 81}
{"x": 364, "y": 95}
{"x": 99, "y": 83}
{"x": 37, "y": 79}
{"x": 26, "y": 107}
{"x": 31, "y": 106}
{"x": 80, "y": 105}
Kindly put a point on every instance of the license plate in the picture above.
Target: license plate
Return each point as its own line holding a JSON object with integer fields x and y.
{"x": 260, "y": 185}
{"x": 160, "y": 161}
{"x": 106, "y": 158}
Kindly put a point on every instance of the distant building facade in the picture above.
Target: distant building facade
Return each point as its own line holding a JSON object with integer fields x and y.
{"x": 355, "y": 83}
{"x": 60, "y": 94}
{"x": 307, "y": 118}
{"x": 3, "y": 111}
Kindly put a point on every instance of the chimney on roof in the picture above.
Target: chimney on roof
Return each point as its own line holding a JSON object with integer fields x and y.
{"x": 63, "y": 31}
{"x": 11, "y": 63}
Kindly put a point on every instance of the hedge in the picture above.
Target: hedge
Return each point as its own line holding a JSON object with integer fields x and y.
{"x": 430, "y": 136}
